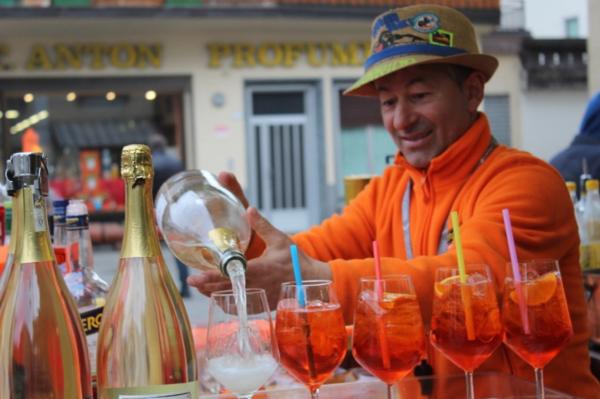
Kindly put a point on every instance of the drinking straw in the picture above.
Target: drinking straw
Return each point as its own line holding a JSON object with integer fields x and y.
{"x": 465, "y": 293}
{"x": 377, "y": 270}
{"x": 312, "y": 371}
{"x": 385, "y": 352}
{"x": 518, "y": 282}
{"x": 297, "y": 275}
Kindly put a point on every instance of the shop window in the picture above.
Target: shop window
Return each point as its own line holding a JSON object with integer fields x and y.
{"x": 366, "y": 147}
{"x": 82, "y": 127}
{"x": 277, "y": 103}
{"x": 497, "y": 109}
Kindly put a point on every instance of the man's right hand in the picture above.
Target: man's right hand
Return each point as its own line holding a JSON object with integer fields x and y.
{"x": 230, "y": 182}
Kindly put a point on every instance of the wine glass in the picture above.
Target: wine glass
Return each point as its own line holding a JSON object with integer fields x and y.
{"x": 240, "y": 354}
{"x": 535, "y": 315}
{"x": 465, "y": 324}
{"x": 310, "y": 332}
{"x": 388, "y": 338}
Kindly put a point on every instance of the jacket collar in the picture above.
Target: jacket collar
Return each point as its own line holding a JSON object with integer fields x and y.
{"x": 458, "y": 160}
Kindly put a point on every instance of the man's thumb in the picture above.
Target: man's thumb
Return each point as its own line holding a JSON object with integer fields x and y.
{"x": 262, "y": 227}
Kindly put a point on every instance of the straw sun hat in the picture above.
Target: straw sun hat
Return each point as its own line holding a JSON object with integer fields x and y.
{"x": 416, "y": 35}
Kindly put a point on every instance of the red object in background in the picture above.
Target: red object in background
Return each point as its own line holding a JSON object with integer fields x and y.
{"x": 2, "y": 225}
{"x": 89, "y": 165}
{"x": 30, "y": 141}
{"x": 112, "y": 191}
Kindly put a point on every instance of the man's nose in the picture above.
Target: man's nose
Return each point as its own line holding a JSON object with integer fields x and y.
{"x": 404, "y": 116}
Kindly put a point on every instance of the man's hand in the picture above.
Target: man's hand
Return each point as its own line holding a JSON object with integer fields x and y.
{"x": 269, "y": 270}
{"x": 230, "y": 182}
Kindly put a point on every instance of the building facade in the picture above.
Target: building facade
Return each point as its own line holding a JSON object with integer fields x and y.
{"x": 254, "y": 90}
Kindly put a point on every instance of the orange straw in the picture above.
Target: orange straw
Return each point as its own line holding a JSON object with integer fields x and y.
{"x": 465, "y": 292}
{"x": 385, "y": 352}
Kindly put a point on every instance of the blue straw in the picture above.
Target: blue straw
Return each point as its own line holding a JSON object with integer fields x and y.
{"x": 297, "y": 275}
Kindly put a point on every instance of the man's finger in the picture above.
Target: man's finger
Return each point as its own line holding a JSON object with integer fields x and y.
{"x": 263, "y": 228}
{"x": 229, "y": 181}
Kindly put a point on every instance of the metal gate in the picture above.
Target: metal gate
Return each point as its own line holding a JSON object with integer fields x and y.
{"x": 282, "y": 153}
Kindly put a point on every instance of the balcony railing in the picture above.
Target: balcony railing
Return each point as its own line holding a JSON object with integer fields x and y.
{"x": 551, "y": 63}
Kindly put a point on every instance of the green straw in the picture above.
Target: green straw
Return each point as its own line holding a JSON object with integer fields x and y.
{"x": 465, "y": 292}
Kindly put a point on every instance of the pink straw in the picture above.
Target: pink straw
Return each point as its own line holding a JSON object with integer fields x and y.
{"x": 377, "y": 269}
{"x": 515, "y": 267}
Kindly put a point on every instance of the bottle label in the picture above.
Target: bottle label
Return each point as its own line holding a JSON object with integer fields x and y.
{"x": 172, "y": 391}
{"x": 91, "y": 320}
{"x": 77, "y": 222}
{"x": 38, "y": 217}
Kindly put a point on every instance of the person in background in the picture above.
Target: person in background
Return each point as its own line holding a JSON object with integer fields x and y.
{"x": 585, "y": 145}
{"x": 165, "y": 166}
{"x": 428, "y": 75}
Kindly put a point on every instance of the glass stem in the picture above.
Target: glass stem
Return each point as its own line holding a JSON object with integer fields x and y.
{"x": 469, "y": 384}
{"x": 539, "y": 383}
{"x": 314, "y": 394}
{"x": 389, "y": 391}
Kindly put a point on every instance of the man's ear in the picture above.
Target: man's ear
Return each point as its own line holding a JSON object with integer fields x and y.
{"x": 473, "y": 88}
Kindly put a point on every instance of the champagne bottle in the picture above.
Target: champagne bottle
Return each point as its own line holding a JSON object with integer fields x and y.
{"x": 145, "y": 346}
{"x": 87, "y": 288}
{"x": 42, "y": 347}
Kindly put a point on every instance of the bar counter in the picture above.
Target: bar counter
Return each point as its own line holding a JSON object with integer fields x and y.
{"x": 487, "y": 385}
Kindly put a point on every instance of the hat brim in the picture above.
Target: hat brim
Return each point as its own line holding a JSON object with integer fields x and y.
{"x": 364, "y": 86}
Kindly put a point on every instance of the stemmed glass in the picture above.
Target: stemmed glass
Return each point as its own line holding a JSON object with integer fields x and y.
{"x": 240, "y": 354}
{"x": 388, "y": 338}
{"x": 536, "y": 319}
{"x": 310, "y": 331}
{"x": 465, "y": 325}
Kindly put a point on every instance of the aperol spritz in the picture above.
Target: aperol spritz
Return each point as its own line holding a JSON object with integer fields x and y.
{"x": 465, "y": 325}
{"x": 312, "y": 338}
{"x": 548, "y": 323}
{"x": 388, "y": 338}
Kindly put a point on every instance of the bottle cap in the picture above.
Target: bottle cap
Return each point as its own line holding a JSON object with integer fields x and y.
{"x": 60, "y": 207}
{"x": 27, "y": 169}
{"x": 76, "y": 208}
{"x": 136, "y": 162}
{"x": 591, "y": 184}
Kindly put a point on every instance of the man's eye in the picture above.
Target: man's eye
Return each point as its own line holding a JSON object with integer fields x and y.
{"x": 419, "y": 96}
{"x": 387, "y": 103}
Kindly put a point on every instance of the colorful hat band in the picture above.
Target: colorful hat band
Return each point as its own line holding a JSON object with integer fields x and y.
{"x": 420, "y": 49}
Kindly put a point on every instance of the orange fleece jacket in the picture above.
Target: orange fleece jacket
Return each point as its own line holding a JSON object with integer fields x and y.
{"x": 542, "y": 218}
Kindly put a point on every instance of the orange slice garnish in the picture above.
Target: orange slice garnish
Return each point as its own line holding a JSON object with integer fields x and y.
{"x": 538, "y": 291}
{"x": 442, "y": 288}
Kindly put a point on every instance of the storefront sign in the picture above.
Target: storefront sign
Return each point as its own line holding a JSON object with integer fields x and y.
{"x": 64, "y": 56}
{"x": 287, "y": 55}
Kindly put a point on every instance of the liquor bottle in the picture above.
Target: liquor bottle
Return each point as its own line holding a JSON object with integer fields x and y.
{"x": 591, "y": 219}
{"x": 86, "y": 286}
{"x": 42, "y": 347}
{"x": 145, "y": 346}
{"x": 583, "y": 241}
{"x": 203, "y": 223}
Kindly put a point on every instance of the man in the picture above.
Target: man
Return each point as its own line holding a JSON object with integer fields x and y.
{"x": 165, "y": 166}
{"x": 585, "y": 145}
{"x": 429, "y": 76}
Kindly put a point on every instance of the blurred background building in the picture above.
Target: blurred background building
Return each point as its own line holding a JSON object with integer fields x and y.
{"x": 254, "y": 87}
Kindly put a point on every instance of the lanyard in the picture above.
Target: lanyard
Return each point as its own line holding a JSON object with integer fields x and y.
{"x": 443, "y": 243}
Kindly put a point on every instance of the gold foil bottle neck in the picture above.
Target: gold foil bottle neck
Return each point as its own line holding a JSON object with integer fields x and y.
{"x": 136, "y": 162}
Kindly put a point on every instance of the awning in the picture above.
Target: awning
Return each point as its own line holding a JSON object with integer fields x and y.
{"x": 101, "y": 133}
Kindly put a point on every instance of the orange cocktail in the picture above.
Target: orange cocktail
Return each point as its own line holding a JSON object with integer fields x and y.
{"x": 465, "y": 325}
{"x": 537, "y": 323}
{"x": 388, "y": 338}
{"x": 312, "y": 339}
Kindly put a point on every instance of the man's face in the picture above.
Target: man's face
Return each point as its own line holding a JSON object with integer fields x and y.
{"x": 425, "y": 111}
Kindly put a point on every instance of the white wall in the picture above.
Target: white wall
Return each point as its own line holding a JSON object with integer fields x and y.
{"x": 594, "y": 47}
{"x": 546, "y": 18}
{"x": 551, "y": 120}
